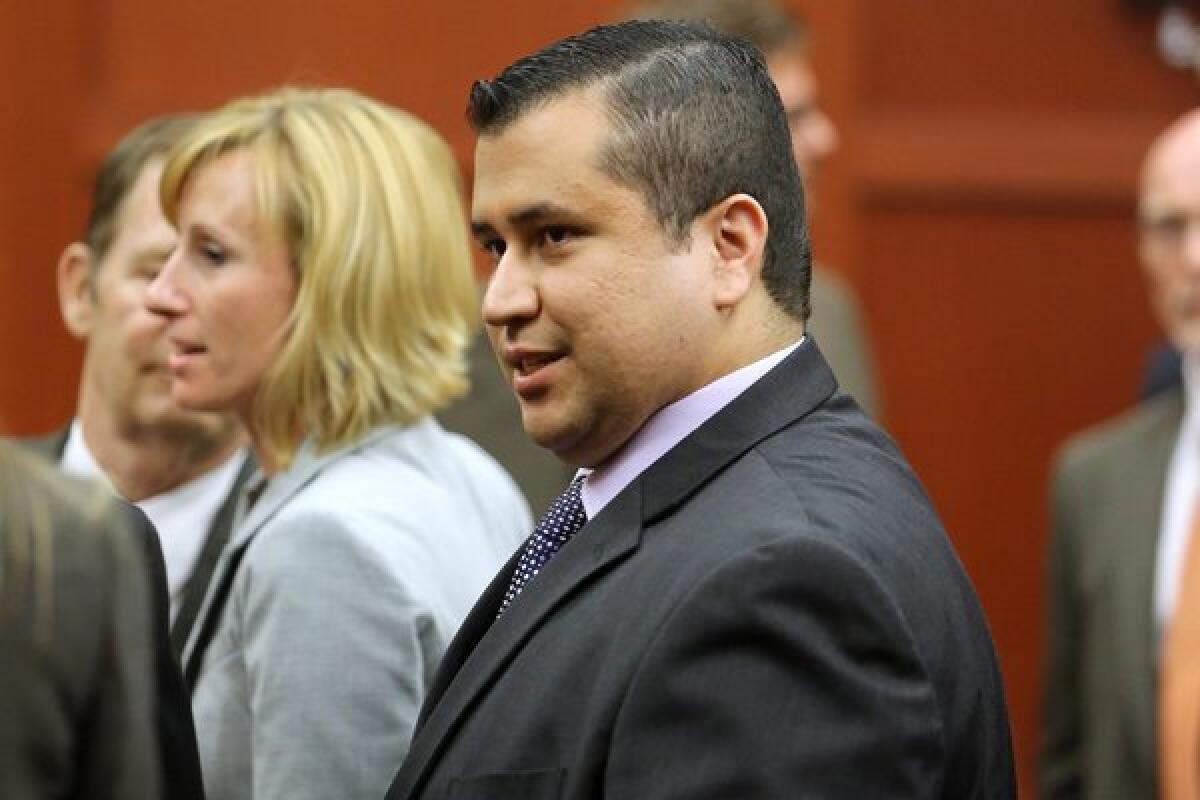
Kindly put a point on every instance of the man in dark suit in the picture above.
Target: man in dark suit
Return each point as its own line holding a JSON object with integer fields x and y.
{"x": 1125, "y": 520}
{"x": 182, "y": 468}
{"x": 748, "y": 594}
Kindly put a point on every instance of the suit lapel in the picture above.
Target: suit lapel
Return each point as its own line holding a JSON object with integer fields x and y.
{"x": 195, "y": 590}
{"x": 50, "y": 446}
{"x": 1138, "y": 526}
{"x": 484, "y": 646}
{"x": 247, "y": 523}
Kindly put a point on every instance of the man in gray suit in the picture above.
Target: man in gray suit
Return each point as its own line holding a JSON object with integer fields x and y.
{"x": 749, "y": 594}
{"x": 183, "y": 469}
{"x": 1124, "y": 499}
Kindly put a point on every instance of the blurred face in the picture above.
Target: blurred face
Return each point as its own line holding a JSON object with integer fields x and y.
{"x": 1169, "y": 216}
{"x": 813, "y": 135}
{"x": 598, "y": 319}
{"x": 125, "y": 374}
{"x": 225, "y": 292}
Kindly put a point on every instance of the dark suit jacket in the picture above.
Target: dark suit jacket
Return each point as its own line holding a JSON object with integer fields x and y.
{"x": 52, "y": 446}
{"x": 180, "y": 757}
{"x": 771, "y": 610}
{"x": 1099, "y": 727}
{"x": 76, "y": 681}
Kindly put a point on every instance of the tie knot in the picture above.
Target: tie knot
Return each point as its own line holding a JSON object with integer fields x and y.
{"x": 561, "y": 521}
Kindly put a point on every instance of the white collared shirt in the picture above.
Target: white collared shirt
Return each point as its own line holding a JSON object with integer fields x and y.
{"x": 182, "y": 516}
{"x": 1180, "y": 497}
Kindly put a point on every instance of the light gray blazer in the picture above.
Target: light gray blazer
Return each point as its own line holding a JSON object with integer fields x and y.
{"x": 358, "y": 568}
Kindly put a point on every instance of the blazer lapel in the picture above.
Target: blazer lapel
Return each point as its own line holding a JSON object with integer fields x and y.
{"x": 1138, "y": 525}
{"x": 195, "y": 590}
{"x": 247, "y": 523}
{"x": 50, "y": 447}
{"x": 485, "y": 646}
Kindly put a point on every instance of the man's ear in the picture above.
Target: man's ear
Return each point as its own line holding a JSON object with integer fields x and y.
{"x": 738, "y": 226}
{"x": 76, "y": 299}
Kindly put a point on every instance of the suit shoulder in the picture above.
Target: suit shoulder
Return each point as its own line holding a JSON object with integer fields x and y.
{"x": 1111, "y": 440}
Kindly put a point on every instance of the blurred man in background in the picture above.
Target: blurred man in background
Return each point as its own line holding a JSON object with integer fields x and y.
{"x": 182, "y": 469}
{"x": 1122, "y": 703}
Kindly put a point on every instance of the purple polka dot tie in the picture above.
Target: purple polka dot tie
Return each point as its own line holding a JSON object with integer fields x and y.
{"x": 561, "y": 521}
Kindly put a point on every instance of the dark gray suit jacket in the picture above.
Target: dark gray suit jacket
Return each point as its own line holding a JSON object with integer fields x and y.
{"x": 176, "y": 730}
{"x": 51, "y": 447}
{"x": 1099, "y": 728}
{"x": 76, "y": 648}
{"x": 770, "y": 610}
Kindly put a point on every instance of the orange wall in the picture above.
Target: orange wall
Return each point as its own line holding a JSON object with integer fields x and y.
{"x": 981, "y": 205}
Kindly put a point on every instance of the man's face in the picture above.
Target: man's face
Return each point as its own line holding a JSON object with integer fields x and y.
{"x": 1169, "y": 216}
{"x": 813, "y": 134}
{"x": 125, "y": 368}
{"x": 597, "y": 317}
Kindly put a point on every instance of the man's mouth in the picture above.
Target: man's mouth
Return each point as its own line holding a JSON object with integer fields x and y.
{"x": 532, "y": 370}
{"x": 527, "y": 365}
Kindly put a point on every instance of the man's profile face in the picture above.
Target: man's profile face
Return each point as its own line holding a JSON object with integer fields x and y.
{"x": 813, "y": 135}
{"x": 126, "y": 350}
{"x": 597, "y": 317}
{"x": 1169, "y": 219}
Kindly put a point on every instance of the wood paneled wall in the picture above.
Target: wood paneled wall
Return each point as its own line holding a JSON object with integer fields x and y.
{"x": 981, "y": 204}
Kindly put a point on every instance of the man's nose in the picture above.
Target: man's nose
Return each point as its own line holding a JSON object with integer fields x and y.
{"x": 511, "y": 295}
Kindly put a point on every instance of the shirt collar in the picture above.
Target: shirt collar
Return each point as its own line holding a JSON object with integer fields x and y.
{"x": 669, "y": 426}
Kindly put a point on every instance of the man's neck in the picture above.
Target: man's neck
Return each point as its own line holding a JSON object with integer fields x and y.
{"x": 145, "y": 463}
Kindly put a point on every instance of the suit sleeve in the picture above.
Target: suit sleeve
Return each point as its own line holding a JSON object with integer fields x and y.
{"x": 337, "y": 661}
{"x": 117, "y": 756}
{"x": 1059, "y": 755}
{"x": 787, "y": 673}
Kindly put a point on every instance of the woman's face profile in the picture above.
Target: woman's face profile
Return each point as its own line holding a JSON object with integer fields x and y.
{"x": 226, "y": 290}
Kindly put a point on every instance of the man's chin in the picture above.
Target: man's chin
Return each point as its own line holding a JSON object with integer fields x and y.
{"x": 170, "y": 419}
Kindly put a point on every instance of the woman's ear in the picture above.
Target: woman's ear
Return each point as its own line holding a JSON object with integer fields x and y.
{"x": 738, "y": 226}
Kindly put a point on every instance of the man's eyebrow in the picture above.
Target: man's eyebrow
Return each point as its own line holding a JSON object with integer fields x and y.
{"x": 521, "y": 218}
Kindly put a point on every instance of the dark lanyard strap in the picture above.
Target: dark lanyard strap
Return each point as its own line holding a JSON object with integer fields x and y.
{"x": 209, "y": 627}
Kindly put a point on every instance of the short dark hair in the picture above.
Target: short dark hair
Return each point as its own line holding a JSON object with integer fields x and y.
{"x": 695, "y": 117}
{"x": 766, "y": 24}
{"x": 120, "y": 172}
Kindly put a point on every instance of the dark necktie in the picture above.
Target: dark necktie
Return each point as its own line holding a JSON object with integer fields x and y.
{"x": 561, "y": 521}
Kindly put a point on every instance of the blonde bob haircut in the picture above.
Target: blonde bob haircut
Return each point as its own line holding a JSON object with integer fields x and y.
{"x": 368, "y": 202}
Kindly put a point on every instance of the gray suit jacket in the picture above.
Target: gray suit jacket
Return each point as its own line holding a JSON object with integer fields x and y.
{"x": 837, "y": 324}
{"x": 76, "y": 647}
{"x": 51, "y": 447}
{"x": 179, "y": 759}
{"x": 345, "y": 581}
{"x": 1098, "y": 738}
{"x": 771, "y": 610}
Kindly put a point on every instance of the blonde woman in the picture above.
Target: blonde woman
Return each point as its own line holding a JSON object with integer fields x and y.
{"x": 76, "y": 643}
{"x": 322, "y": 290}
